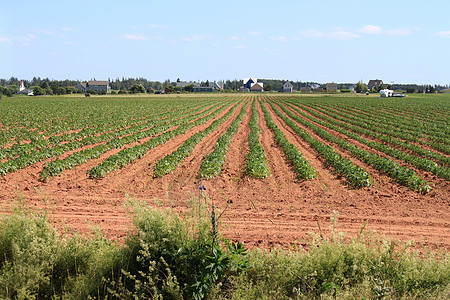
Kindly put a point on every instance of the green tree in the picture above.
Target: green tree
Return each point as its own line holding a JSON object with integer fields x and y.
{"x": 37, "y": 91}
{"x": 189, "y": 88}
{"x": 361, "y": 87}
{"x": 137, "y": 88}
{"x": 45, "y": 85}
{"x": 14, "y": 88}
{"x": 268, "y": 87}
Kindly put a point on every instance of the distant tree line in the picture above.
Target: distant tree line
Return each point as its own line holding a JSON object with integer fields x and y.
{"x": 46, "y": 86}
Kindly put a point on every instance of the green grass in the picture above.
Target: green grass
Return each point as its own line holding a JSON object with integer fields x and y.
{"x": 169, "y": 257}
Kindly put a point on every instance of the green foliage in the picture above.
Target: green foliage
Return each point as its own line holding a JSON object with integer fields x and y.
{"x": 170, "y": 162}
{"x": 301, "y": 166}
{"x": 212, "y": 163}
{"x": 356, "y": 176}
{"x": 256, "y": 159}
{"x": 167, "y": 257}
{"x": 402, "y": 175}
{"x": 38, "y": 91}
{"x": 137, "y": 88}
{"x": 36, "y": 262}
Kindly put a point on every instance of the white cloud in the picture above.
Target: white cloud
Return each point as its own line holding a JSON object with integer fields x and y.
{"x": 239, "y": 47}
{"x": 67, "y": 29}
{"x": 280, "y": 39}
{"x": 401, "y": 31}
{"x": 370, "y": 29}
{"x": 255, "y": 32}
{"x": 344, "y": 35}
{"x": 71, "y": 43}
{"x": 271, "y": 50}
{"x": 4, "y": 40}
{"x": 197, "y": 37}
{"x": 47, "y": 32}
{"x": 312, "y": 33}
{"x": 236, "y": 38}
{"x": 158, "y": 26}
{"x": 135, "y": 37}
{"x": 445, "y": 34}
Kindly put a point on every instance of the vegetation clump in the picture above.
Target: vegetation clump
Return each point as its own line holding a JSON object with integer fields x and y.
{"x": 169, "y": 257}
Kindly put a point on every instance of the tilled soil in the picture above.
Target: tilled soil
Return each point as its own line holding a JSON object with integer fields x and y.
{"x": 279, "y": 210}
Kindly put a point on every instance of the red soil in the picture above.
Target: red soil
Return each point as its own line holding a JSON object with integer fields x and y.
{"x": 278, "y": 210}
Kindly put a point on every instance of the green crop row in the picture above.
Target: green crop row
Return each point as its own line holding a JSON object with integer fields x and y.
{"x": 38, "y": 141}
{"x": 170, "y": 162}
{"x": 360, "y": 128}
{"x": 393, "y": 131}
{"x": 26, "y": 160}
{"x": 301, "y": 166}
{"x": 403, "y": 120}
{"x": 419, "y": 162}
{"x": 256, "y": 158}
{"x": 356, "y": 176}
{"x": 212, "y": 163}
{"x": 402, "y": 175}
{"x": 58, "y": 166}
{"x": 129, "y": 155}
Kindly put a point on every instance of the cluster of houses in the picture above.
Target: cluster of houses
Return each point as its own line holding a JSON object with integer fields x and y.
{"x": 197, "y": 88}
{"x": 249, "y": 85}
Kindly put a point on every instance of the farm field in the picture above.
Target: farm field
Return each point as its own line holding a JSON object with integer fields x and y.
{"x": 279, "y": 164}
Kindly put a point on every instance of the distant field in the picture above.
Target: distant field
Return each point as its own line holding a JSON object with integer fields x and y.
{"x": 282, "y": 162}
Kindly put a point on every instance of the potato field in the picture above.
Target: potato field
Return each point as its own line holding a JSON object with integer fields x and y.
{"x": 278, "y": 164}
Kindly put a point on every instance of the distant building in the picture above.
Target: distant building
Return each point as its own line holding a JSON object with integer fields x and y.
{"x": 305, "y": 89}
{"x": 257, "y": 87}
{"x": 204, "y": 89}
{"x": 21, "y": 86}
{"x": 288, "y": 87}
{"x": 217, "y": 85}
{"x": 28, "y": 92}
{"x": 183, "y": 84}
{"x": 331, "y": 87}
{"x": 252, "y": 85}
{"x": 214, "y": 87}
{"x": 374, "y": 84}
{"x": 446, "y": 91}
{"x": 94, "y": 85}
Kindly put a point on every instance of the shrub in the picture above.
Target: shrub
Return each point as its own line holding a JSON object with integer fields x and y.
{"x": 166, "y": 256}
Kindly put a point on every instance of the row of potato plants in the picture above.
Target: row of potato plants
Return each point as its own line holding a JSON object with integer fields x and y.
{"x": 45, "y": 153}
{"x": 422, "y": 130}
{"x": 356, "y": 177}
{"x": 424, "y": 124}
{"x": 301, "y": 166}
{"x": 401, "y": 174}
{"x": 127, "y": 156}
{"x": 171, "y": 161}
{"x": 419, "y": 162}
{"x": 361, "y": 127}
{"x": 212, "y": 163}
{"x": 256, "y": 159}
{"x": 393, "y": 131}
{"x": 433, "y": 118}
{"x": 58, "y": 166}
{"x": 38, "y": 141}
{"x": 51, "y": 118}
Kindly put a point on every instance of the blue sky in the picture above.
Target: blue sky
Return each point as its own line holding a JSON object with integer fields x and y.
{"x": 325, "y": 40}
